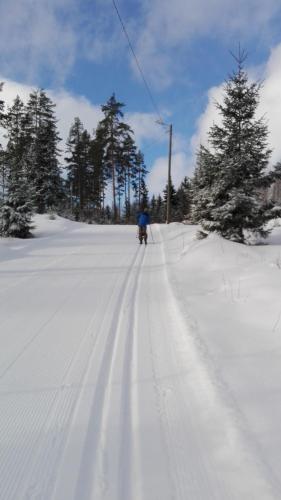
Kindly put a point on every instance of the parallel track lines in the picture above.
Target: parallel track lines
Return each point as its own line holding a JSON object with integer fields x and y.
{"x": 124, "y": 490}
{"x": 92, "y": 473}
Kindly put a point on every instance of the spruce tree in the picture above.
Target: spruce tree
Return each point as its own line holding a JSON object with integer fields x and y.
{"x": 2, "y": 155}
{"x": 183, "y": 200}
{"x": 173, "y": 200}
{"x": 2, "y": 115}
{"x": 3, "y": 174}
{"x": 152, "y": 206}
{"x": 17, "y": 209}
{"x": 231, "y": 174}
{"x": 204, "y": 177}
{"x": 160, "y": 210}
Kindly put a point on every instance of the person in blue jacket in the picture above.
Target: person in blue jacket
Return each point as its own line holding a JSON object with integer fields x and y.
{"x": 143, "y": 221}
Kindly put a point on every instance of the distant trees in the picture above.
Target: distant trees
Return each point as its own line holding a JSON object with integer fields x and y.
{"x": 30, "y": 173}
{"x": 31, "y": 177}
{"x": 180, "y": 202}
{"x": 104, "y": 177}
{"x": 107, "y": 162}
{"x": 231, "y": 175}
{"x": 184, "y": 198}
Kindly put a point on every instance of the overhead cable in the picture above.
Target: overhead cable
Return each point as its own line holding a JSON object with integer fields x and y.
{"x": 137, "y": 62}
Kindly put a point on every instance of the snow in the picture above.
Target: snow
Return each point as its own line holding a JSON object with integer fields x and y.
{"x": 139, "y": 373}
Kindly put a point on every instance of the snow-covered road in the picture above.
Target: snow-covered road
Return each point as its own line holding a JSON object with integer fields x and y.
{"x": 104, "y": 391}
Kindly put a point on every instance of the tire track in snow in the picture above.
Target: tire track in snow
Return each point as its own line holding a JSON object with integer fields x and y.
{"x": 73, "y": 291}
{"x": 25, "y": 279}
{"x": 29, "y": 282}
{"x": 20, "y": 305}
{"x": 43, "y": 453}
{"x": 127, "y": 401}
{"x": 172, "y": 485}
{"x": 191, "y": 475}
{"x": 59, "y": 418}
{"x": 92, "y": 481}
{"x": 36, "y": 273}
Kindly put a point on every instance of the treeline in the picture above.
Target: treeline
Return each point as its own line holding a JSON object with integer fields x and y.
{"x": 107, "y": 165}
{"x": 227, "y": 194}
{"x": 180, "y": 203}
{"x": 29, "y": 168}
{"x": 97, "y": 167}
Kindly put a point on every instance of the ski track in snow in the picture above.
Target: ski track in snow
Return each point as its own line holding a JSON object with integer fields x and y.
{"x": 105, "y": 392}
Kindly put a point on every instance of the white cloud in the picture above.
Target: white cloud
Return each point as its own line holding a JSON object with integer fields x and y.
{"x": 37, "y": 35}
{"x": 145, "y": 127}
{"x": 269, "y": 107}
{"x": 207, "y": 119}
{"x": 169, "y": 27}
{"x": 68, "y": 106}
{"x": 270, "y": 104}
{"x": 11, "y": 89}
{"x": 48, "y": 36}
{"x": 157, "y": 178}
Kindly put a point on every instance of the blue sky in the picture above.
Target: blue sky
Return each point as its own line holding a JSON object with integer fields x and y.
{"x": 77, "y": 51}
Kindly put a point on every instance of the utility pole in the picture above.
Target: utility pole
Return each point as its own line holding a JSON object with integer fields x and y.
{"x": 168, "y": 216}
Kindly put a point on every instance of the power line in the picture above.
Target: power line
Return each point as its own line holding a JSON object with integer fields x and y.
{"x": 137, "y": 62}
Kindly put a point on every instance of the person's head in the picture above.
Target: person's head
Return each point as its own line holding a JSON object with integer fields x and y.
{"x": 145, "y": 210}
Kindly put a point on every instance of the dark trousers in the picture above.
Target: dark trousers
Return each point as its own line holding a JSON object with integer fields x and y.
{"x": 142, "y": 234}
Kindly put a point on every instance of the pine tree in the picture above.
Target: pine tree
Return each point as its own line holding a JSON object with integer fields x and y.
{"x": 127, "y": 169}
{"x": 99, "y": 174}
{"x": 79, "y": 167}
{"x": 230, "y": 176}
{"x": 44, "y": 171}
{"x": 139, "y": 185}
{"x": 114, "y": 133}
{"x": 143, "y": 193}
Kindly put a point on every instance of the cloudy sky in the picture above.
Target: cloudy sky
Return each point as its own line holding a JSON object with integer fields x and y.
{"x": 76, "y": 50}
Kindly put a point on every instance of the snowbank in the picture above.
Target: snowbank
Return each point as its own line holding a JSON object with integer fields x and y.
{"x": 230, "y": 295}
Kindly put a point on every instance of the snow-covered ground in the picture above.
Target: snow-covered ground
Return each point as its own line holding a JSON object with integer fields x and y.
{"x": 139, "y": 373}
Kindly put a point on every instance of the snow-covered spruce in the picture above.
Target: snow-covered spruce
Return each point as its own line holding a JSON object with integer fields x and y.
{"x": 231, "y": 175}
{"x": 16, "y": 215}
{"x": 43, "y": 170}
{"x": 16, "y": 208}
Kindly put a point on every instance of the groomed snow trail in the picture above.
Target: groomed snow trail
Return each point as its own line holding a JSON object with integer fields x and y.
{"x": 105, "y": 394}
